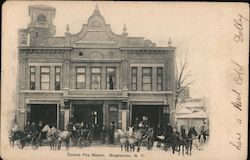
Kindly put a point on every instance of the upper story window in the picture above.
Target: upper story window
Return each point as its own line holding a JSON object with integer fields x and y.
{"x": 111, "y": 78}
{"x": 57, "y": 78}
{"x": 146, "y": 79}
{"x": 45, "y": 78}
{"x": 134, "y": 79}
{"x": 159, "y": 78}
{"x": 80, "y": 78}
{"x": 95, "y": 78}
{"x": 32, "y": 77}
{"x": 41, "y": 18}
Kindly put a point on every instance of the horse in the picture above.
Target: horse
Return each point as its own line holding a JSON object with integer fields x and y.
{"x": 121, "y": 135}
{"x": 51, "y": 134}
{"x": 187, "y": 140}
{"x": 63, "y": 136}
{"x": 134, "y": 139}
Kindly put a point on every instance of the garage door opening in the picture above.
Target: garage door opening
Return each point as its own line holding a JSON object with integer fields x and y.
{"x": 153, "y": 112}
{"x": 43, "y": 112}
{"x": 91, "y": 115}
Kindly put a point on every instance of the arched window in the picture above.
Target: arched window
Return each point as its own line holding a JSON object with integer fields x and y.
{"x": 41, "y": 18}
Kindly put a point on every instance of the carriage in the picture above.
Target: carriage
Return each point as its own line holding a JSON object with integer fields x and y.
{"x": 22, "y": 138}
{"x": 148, "y": 138}
{"x": 81, "y": 137}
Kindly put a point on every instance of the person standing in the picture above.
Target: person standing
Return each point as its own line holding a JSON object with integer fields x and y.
{"x": 111, "y": 132}
{"x": 27, "y": 128}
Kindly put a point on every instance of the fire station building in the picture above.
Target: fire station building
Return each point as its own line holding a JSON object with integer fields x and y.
{"x": 95, "y": 76}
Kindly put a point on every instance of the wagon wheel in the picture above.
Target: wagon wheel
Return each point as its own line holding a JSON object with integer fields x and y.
{"x": 20, "y": 144}
{"x": 149, "y": 143}
{"x": 89, "y": 139}
{"x": 35, "y": 142}
{"x": 81, "y": 142}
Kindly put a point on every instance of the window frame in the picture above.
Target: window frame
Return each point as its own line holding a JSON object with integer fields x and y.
{"x": 160, "y": 75}
{"x": 145, "y": 74}
{"x": 91, "y": 75}
{"x": 81, "y": 73}
{"x": 60, "y": 79}
{"x": 114, "y": 80}
{"x": 34, "y": 74}
{"x": 136, "y": 79}
{"x": 44, "y": 73}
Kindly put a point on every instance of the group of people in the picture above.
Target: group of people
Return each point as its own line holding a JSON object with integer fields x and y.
{"x": 34, "y": 128}
{"x": 142, "y": 123}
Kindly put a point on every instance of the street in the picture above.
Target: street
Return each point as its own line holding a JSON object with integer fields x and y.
{"x": 98, "y": 151}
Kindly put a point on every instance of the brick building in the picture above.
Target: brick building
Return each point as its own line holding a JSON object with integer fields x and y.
{"x": 94, "y": 76}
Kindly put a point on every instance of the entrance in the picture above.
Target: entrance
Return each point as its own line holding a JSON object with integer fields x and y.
{"x": 91, "y": 115}
{"x": 153, "y": 112}
{"x": 43, "y": 112}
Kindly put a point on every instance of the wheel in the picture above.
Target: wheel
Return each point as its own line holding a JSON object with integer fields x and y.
{"x": 89, "y": 141}
{"x": 20, "y": 144}
{"x": 35, "y": 143}
{"x": 81, "y": 142}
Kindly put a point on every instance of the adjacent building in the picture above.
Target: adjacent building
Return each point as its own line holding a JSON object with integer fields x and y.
{"x": 95, "y": 76}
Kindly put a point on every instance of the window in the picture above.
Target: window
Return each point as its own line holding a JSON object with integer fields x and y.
{"x": 41, "y": 18}
{"x": 134, "y": 79}
{"x": 57, "y": 78}
{"x": 80, "y": 78}
{"x": 146, "y": 79}
{"x": 159, "y": 78}
{"x": 111, "y": 78}
{"x": 45, "y": 78}
{"x": 95, "y": 78}
{"x": 36, "y": 34}
{"x": 32, "y": 77}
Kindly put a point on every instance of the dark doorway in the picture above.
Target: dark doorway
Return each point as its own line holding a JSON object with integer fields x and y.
{"x": 91, "y": 115}
{"x": 43, "y": 112}
{"x": 153, "y": 112}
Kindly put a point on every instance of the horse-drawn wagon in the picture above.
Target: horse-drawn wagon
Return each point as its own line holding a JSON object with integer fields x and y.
{"x": 21, "y": 138}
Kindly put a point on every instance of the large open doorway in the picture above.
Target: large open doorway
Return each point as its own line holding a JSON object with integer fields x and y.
{"x": 153, "y": 112}
{"x": 91, "y": 115}
{"x": 43, "y": 112}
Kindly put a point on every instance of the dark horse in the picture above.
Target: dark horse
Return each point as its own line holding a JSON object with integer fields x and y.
{"x": 180, "y": 141}
{"x": 187, "y": 140}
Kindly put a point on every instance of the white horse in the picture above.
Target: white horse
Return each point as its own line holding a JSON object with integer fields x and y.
{"x": 134, "y": 139}
{"x": 63, "y": 136}
{"x": 121, "y": 135}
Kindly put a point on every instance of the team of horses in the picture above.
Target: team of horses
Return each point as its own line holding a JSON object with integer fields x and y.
{"x": 128, "y": 139}
{"x": 134, "y": 138}
{"x": 181, "y": 142}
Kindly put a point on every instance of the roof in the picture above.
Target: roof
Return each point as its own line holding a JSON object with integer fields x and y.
{"x": 194, "y": 115}
{"x": 183, "y": 110}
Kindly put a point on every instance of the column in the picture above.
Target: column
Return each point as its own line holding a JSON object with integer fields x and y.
{"x": 61, "y": 117}
{"x": 117, "y": 78}
{"x": 124, "y": 78}
{"x": 103, "y": 78}
{"x": 66, "y": 74}
{"x": 37, "y": 77}
{"x": 139, "y": 78}
{"x": 154, "y": 78}
{"x": 88, "y": 77}
{"x": 52, "y": 78}
{"x": 57, "y": 115}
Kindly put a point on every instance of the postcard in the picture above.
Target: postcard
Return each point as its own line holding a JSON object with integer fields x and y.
{"x": 124, "y": 80}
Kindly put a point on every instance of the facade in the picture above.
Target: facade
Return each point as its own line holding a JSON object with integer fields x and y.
{"x": 94, "y": 76}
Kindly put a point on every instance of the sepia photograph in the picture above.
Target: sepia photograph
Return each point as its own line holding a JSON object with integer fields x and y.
{"x": 124, "y": 80}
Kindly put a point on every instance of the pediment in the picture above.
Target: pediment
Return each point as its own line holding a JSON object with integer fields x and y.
{"x": 95, "y": 37}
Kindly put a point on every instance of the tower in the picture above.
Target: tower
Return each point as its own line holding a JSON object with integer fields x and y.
{"x": 41, "y": 24}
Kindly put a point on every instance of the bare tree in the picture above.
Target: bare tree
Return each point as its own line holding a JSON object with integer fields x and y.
{"x": 183, "y": 74}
